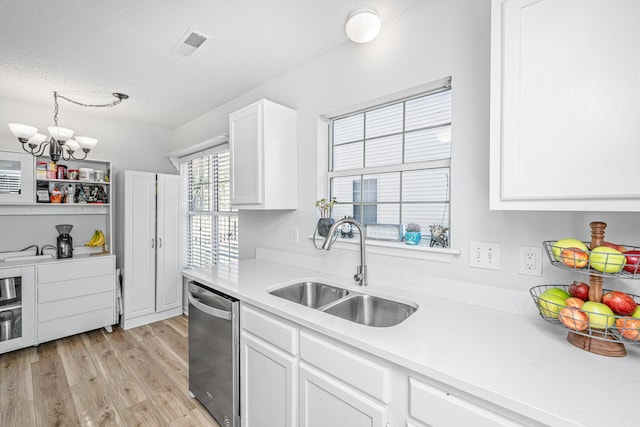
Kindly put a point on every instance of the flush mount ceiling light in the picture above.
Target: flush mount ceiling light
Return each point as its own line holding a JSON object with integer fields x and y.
{"x": 363, "y": 24}
{"x": 61, "y": 143}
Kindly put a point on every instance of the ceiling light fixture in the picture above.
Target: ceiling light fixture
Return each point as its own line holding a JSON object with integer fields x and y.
{"x": 61, "y": 144}
{"x": 363, "y": 24}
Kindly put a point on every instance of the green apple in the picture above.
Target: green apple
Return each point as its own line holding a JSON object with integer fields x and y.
{"x": 600, "y": 316}
{"x": 558, "y": 292}
{"x": 636, "y": 313}
{"x": 607, "y": 260}
{"x": 550, "y": 305}
{"x": 561, "y": 244}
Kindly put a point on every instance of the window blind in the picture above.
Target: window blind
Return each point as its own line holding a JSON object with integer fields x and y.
{"x": 390, "y": 164}
{"x": 211, "y": 234}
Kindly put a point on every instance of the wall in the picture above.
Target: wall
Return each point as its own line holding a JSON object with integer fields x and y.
{"x": 127, "y": 144}
{"x": 442, "y": 38}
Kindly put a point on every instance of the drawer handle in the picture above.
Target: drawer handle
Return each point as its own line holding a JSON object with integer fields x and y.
{"x": 153, "y": 243}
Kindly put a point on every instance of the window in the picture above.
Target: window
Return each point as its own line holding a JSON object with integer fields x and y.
{"x": 390, "y": 164}
{"x": 211, "y": 225}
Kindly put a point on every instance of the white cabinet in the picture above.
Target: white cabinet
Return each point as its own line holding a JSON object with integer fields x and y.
{"x": 438, "y": 407}
{"x": 268, "y": 371}
{"x": 325, "y": 401}
{"x": 564, "y": 105}
{"x": 264, "y": 160}
{"x": 75, "y": 296}
{"x": 19, "y": 310}
{"x": 16, "y": 177}
{"x": 152, "y": 286}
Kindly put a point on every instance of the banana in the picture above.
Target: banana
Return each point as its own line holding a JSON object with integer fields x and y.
{"x": 93, "y": 239}
{"x": 101, "y": 239}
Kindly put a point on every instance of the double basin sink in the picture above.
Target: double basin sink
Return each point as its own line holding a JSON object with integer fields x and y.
{"x": 356, "y": 307}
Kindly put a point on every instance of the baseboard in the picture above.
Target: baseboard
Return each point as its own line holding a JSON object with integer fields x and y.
{"x": 149, "y": 318}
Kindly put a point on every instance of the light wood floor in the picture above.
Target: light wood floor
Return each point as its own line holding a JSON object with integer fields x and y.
{"x": 137, "y": 377}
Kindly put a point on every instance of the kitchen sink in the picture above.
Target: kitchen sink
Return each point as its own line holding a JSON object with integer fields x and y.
{"x": 311, "y": 294}
{"x": 355, "y": 307}
{"x": 371, "y": 310}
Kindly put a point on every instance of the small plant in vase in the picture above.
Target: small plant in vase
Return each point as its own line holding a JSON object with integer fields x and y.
{"x": 412, "y": 234}
{"x": 326, "y": 211}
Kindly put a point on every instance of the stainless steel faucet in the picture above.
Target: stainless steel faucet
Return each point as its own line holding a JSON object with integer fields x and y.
{"x": 361, "y": 275}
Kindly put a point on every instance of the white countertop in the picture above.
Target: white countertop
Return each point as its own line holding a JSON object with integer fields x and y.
{"x": 518, "y": 362}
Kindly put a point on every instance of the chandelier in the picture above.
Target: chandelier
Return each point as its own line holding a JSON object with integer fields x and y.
{"x": 60, "y": 142}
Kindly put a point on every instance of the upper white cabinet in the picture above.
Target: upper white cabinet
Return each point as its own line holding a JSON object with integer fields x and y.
{"x": 263, "y": 146}
{"x": 564, "y": 105}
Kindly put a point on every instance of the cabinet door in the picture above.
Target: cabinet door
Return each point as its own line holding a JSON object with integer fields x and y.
{"x": 325, "y": 401}
{"x": 564, "y": 105}
{"x": 246, "y": 153}
{"x": 168, "y": 278}
{"x": 268, "y": 387}
{"x": 16, "y": 177}
{"x": 139, "y": 293}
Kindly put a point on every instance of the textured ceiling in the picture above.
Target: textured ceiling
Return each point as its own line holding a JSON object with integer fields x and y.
{"x": 81, "y": 47}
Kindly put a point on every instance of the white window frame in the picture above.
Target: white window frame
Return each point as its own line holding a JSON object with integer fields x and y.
{"x": 399, "y": 249}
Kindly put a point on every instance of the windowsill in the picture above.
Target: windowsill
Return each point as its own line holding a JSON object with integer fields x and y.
{"x": 397, "y": 249}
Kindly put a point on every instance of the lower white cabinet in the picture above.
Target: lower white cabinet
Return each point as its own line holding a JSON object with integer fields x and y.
{"x": 268, "y": 370}
{"x": 326, "y": 401}
{"x": 268, "y": 384}
{"x": 19, "y": 332}
{"x": 294, "y": 377}
{"x": 74, "y": 296}
{"x": 438, "y": 407}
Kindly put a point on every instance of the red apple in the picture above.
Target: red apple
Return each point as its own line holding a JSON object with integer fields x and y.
{"x": 574, "y": 302}
{"x": 574, "y": 319}
{"x": 579, "y": 290}
{"x": 633, "y": 262}
{"x": 614, "y": 246}
{"x": 620, "y": 303}
{"x": 629, "y": 327}
{"x": 574, "y": 257}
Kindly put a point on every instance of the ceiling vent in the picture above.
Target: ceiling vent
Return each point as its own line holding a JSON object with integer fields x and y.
{"x": 190, "y": 43}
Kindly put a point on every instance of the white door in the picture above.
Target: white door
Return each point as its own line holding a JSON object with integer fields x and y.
{"x": 268, "y": 378}
{"x": 324, "y": 401}
{"x": 246, "y": 145}
{"x": 139, "y": 286}
{"x": 168, "y": 278}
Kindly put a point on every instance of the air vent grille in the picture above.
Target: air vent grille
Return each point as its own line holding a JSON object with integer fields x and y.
{"x": 190, "y": 43}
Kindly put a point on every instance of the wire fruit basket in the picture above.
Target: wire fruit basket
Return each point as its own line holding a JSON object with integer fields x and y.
{"x": 624, "y": 265}
{"x": 604, "y": 327}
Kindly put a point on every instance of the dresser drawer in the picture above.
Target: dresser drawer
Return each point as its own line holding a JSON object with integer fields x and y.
{"x": 269, "y": 329}
{"x": 356, "y": 370}
{"x": 72, "y": 306}
{"x": 76, "y": 269}
{"x": 74, "y": 288}
{"x": 71, "y": 325}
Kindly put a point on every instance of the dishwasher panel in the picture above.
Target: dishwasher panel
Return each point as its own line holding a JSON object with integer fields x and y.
{"x": 214, "y": 335}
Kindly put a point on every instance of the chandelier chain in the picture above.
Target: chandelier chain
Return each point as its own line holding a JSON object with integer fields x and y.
{"x": 119, "y": 98}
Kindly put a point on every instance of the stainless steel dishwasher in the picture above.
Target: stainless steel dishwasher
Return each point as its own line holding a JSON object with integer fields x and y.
{"x": 214, "y": 353}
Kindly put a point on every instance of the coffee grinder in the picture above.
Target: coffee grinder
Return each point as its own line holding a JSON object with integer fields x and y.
{"x": 64, "y": 241}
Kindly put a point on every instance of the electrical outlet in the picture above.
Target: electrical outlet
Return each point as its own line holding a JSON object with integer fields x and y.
{"x": 530, "y": 261}
{"x": 294, "y": 236}
{"x": 484, "y": 255}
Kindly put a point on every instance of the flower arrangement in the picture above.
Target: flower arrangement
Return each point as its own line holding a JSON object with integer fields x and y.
{"x": 326, "y": 207}
{"x": 413, "y": 227}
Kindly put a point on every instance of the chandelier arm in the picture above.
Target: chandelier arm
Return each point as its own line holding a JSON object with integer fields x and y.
{"x": 37, "y": 152}
{"x": 119, "y": 98}
{"x": 78, "y": 158}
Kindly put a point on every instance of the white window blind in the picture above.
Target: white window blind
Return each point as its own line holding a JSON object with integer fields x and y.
{"x": 390, "y": 164}
{"x": 211, "y": 235}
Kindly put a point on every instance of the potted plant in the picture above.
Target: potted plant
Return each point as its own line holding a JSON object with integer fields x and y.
{"x": 326, "y": 211}
{"x": 412, "y": 234}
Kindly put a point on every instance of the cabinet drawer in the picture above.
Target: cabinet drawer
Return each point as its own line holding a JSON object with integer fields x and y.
{"x": 71, "y": 325}
{"x": 72, "y": 306}
{"x": 74, "y": 288}
{"x": 275, "y": 332}
{"x": 75, "y": 270}
{"x": 355, "y": 370}
{"x": 437, "y": 407}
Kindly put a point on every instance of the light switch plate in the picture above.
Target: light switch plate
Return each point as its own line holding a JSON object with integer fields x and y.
{"x": 484, "y": 255}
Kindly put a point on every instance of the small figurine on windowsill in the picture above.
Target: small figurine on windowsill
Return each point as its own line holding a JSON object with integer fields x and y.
{"x": 346, "y": 230}
{"x": 439, "y": 235}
